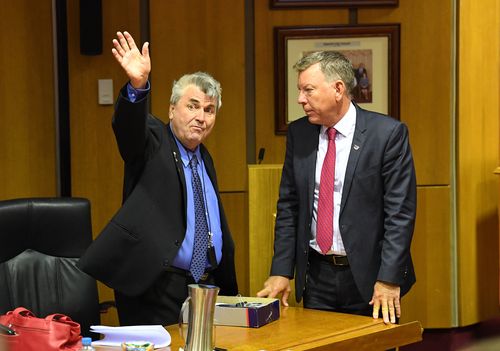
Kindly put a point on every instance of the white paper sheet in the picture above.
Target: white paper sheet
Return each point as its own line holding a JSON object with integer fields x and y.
{"x": 114, "y": 336}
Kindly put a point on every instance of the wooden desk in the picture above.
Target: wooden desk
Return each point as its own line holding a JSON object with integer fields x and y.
{"x": 303, "y": 329}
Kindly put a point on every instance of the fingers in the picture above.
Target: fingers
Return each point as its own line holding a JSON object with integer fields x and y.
{"x": 268, "y": 291}
{"x": 145, "y": 49}
{"x": 284, "y": 298}
{"x": 397, "y": 306}
{"x": 130, "y": 40}
{"x": 264, "y": 292}
{"x": 386, "y": 298}
{"x": 392, "y": 311}
{"x": 125, "y": 43}
{"x": 385, "y": 312}
{"x": 123, "y": 40}
{"x": 117, "y": 55}
{"x": 376, "y": 308}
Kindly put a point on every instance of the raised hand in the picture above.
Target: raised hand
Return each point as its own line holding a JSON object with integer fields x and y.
{"x": 136, "y": 64}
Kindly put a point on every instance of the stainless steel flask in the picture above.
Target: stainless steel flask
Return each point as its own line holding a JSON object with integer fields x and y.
{"x": 201, "y": 333}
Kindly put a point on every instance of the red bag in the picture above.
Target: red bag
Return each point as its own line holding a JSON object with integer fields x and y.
{"x": 56, "y": 332}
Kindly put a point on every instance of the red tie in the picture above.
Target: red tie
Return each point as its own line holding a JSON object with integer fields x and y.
{"x": 324, "y": 224}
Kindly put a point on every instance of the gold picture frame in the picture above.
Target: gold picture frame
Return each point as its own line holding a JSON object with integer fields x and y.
{"x": 278, "y": 4}
{"x": 373, "y": 50}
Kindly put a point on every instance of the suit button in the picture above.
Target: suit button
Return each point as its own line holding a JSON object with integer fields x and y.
{"x": 177, "y": 243}
{"x": 305, "y": 252}
{"x": 166, "y": 263}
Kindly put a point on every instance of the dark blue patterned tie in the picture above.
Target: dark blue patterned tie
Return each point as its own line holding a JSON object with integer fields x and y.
{"x": 200, "y": 224}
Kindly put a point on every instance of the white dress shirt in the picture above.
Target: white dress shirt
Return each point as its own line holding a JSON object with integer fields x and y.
{"x": 343, "y": 141}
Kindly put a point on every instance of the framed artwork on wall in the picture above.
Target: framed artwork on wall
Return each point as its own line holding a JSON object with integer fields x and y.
{"x": 278, "y": 4}
{"x": 372, "y": 49}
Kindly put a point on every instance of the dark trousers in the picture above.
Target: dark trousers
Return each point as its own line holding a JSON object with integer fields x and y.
{"x": 160, "y": 304}
{"x": 332, "y": 288}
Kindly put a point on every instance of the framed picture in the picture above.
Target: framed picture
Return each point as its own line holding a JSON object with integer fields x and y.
{"x": 372, "y": 49}
{"x": 277, "y": 4}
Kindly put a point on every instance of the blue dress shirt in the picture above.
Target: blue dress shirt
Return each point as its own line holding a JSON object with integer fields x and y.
{"x": 185, "y": 253}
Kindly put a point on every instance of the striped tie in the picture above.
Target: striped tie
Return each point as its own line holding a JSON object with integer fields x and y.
{"x": 324, "y": 225}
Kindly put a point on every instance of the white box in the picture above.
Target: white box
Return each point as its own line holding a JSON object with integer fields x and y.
{"x": 259, "y": 311}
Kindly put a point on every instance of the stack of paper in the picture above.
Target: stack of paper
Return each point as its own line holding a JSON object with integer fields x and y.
{"x": 114, "y": 336}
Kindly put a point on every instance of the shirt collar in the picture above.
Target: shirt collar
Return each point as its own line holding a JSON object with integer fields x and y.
{"x": 346, "y": 124}
{"x": 185, "y": 153}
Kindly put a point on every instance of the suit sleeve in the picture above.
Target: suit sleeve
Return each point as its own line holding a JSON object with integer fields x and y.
{"x": 400, "y": 197}
{"x": 285, "y": 231}
{"x": 129, "y": 126}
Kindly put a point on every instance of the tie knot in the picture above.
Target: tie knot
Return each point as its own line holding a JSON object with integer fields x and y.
{"x": 193, "y": 162}
{"x": 331, "y": 133}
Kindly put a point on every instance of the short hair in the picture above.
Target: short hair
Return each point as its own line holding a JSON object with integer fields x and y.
{"x": 333, "y": 64}
{"x": 204, "y": 81}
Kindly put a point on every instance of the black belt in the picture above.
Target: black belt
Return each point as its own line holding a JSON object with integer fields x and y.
{"x": 173, "y": 269}
{"x": 336, "y": 260}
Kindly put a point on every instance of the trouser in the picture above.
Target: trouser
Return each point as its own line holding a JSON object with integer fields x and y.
{"x": 161, "y": 303}
{"x": 331, "y": 287}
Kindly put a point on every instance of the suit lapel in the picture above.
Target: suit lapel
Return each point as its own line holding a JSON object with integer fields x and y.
{"x": 310, "y": 163}
{"x": 207, "y": 160}
{"x": 356, "y": 149}
{"x": 178, "y": 163}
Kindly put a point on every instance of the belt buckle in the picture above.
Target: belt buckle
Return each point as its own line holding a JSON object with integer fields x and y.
{"x": 334, "y": 258}
{"x": 204, "y": 276}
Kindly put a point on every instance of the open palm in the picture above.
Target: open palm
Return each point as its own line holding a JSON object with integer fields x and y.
{"x": 136, "y": 64}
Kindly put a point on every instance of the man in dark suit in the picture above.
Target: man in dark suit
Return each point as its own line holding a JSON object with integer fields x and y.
{"x": 148, "y": 251}
{"x": 347, "y": 201}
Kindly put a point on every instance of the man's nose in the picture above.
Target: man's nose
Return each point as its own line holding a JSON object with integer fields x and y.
{"x": 200, "y": 115}
{"x": 301, "y": 99}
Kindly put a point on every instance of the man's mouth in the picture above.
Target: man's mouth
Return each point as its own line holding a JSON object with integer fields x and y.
{"x": 197, "y": 129}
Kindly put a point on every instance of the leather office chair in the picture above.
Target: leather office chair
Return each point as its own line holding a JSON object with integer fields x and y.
{"x": 41, "y": 240}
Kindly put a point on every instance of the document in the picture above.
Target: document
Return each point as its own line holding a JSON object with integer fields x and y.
{"x": 115, "y": 336}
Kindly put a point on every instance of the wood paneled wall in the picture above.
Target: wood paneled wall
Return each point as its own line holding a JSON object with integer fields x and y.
{"x": 96, "y": 166}
{"x": 478, "y": 156}
{"x": 207, "y": 35}
{"x": 27, "y": 114}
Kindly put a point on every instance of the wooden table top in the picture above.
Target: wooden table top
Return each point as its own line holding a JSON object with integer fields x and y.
{"x": 306, "y": 329}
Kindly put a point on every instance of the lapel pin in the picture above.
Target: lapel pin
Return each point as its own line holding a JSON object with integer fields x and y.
{"x": 356, "y": 147}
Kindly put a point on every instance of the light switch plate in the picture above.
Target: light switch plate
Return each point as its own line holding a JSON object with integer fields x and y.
{"x": 105, "y": 91}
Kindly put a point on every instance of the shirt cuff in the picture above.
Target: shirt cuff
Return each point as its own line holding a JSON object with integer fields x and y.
{"x": 137, "y": 94}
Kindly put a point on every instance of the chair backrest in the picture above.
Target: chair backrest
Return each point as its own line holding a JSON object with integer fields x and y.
{"x": 41, "y": 239}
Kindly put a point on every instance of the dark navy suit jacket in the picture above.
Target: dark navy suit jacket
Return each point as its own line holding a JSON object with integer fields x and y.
{"x": 143, "y": 237}
{"x": 378, "y": 205}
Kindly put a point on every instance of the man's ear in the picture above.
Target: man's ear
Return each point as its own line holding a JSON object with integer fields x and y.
{"x": 171, "y": 112}
{"x": 340, "y": 89}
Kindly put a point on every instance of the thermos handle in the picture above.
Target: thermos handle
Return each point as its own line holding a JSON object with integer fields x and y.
{"x": 181, "y": 317}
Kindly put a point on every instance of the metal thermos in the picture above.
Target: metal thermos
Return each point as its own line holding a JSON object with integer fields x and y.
{"x": 201, "y": 335}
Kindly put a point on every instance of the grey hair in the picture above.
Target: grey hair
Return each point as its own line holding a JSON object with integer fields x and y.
{"x": 204, "y": 81}
{"x": 333, "y": 64}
